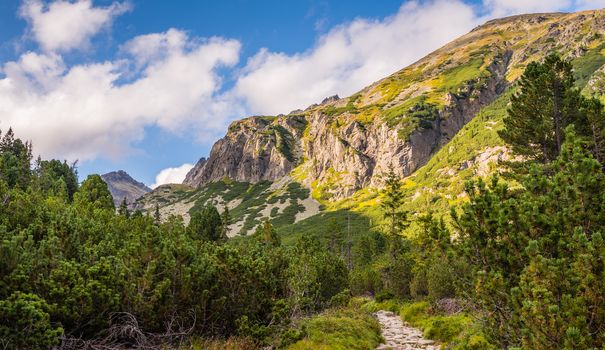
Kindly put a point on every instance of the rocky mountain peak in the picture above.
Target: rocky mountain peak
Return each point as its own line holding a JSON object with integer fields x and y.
{"x": 121, "y": 185}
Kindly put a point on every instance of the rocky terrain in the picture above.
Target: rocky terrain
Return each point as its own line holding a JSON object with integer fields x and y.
{"x": 121, "y": 185}
{"x": 435, "y": 122}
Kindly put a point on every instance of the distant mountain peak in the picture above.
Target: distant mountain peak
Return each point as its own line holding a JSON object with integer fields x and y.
{"x": 122, "y": 185}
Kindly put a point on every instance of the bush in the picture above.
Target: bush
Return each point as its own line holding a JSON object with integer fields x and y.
{"x": 445, "y": 328}
{"x": 440, "y": 281}
{"x": 341, "y": 299}
{"x": 365, "y": 280}
{"x": 25, "y": 323}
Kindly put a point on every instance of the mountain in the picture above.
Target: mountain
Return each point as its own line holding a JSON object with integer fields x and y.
{"x": 121, "y": 185}
{"x": 435, "y": 122}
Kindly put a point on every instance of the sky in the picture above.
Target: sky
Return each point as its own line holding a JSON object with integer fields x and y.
{"x": 147, "y": 86}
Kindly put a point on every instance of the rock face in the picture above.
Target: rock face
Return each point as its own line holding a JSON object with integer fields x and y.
{"x": 121, "y": 185}
{"x": 254, "y": 149}
{"x": 345, "y": 144}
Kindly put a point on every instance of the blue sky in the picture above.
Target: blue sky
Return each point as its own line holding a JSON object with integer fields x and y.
{"x": 149, "y": 85}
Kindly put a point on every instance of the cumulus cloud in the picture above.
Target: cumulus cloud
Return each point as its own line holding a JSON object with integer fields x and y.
{"x": 87, "y": 110}
{"x": 172, "y": 175}
{"x": 64, "y": 25}
{"x": 351, "y": 56}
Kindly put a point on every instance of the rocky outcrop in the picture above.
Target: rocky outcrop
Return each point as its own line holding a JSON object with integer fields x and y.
{"x": 254, "y": 149}
{"x": 195, "y": 173}
{"x": 121, "y": 185}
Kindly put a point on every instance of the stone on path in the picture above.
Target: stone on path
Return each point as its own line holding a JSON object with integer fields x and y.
{"x": 399, "y": 336}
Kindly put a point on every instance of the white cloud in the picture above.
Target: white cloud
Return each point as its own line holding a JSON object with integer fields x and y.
{"x": 88, "y": 110}
{"x": 500, "y": 8}
{"x": 172, "y": 175}
{"x": 351, "y": 56}
{"x": 63, "y": 25}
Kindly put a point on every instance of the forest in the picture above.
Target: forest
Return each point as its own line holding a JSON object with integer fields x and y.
{"x": 522, "y": 262}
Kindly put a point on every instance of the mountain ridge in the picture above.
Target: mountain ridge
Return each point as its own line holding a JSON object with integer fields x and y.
{"x": 476, "y": 68}
{"x": 339, "y": 149}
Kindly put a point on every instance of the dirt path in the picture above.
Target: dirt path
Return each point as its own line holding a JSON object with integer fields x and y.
{"x": 398, "y": 336}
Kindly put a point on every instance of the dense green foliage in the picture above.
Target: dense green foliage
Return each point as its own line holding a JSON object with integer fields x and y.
{"x": 527, "y": 259}
{"x": 538, "y": 251}
{"x": 72, "y": 269}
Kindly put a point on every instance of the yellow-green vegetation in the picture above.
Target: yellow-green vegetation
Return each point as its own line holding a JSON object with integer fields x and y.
{"x": 454, "y": 77}
{"x": 348, "y": 328}
{"x": 284, "y": 142}
{"x": 322, "y": 191}
{"x": 331, "y": 110}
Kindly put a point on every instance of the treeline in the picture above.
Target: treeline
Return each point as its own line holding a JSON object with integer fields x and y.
{"x": 526, "y": 254}
{"x": 75, "y": 273}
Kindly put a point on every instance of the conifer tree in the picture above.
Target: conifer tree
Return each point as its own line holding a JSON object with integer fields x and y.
{"x": 538, "y": 252}
{"x": 393, "y": 200}
{"x": 335, "y": 235}
{"x": 94, "y": 193}
{"x": 267, "y": 234}
{"x": 123, "y": 210}
{"x": 544, "y": 106}
{"x": 207, "y": 225}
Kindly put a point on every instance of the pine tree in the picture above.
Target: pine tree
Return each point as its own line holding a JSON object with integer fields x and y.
{"x": 94, "y": 193}
{"x": 538, "y": 252}
{"x": 207, "y": 225}
{"x": 123, "y": 210}
{"x": 267, "y": 234}
{"x": 595, "y": 117}
{"x": 545, "y": 105}
{"x": 393, "y": 200}
{"x": 335, "y": 235}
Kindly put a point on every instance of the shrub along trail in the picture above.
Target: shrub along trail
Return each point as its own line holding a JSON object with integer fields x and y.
{"x": 398, "y": 336}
